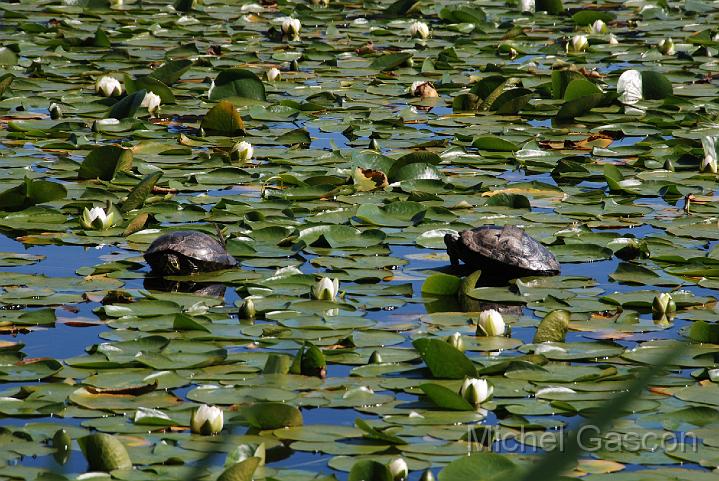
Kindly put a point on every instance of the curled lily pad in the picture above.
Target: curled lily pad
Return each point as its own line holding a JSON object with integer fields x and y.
{"x": 273, "y": 415}
{"x": 444, "y": 360}
{"x": 237, "y": 83}
{"x": 105, "y": 452}
{"x": 106, "y": 162}
{"x": 223, "y": 119}
{"x": 553, "y": 327}
{"x": 29, "y": 193}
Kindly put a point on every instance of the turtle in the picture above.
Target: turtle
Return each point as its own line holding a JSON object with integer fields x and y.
{"x": 186, "y": 252}
{"x": 507, "y": 252}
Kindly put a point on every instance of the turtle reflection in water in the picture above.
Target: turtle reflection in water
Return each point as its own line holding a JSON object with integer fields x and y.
{"x": 501, "y": 252}
{"x": 187, "y": 252}
{"x": 196, "y": 288}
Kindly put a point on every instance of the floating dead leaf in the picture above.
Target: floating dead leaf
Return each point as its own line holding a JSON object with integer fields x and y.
{"x": 595, "y": 140}
{"x": 660, "y": 390}
{"x": 78, "y": 323}
{"x": 135, "y": 441}
{"x": 424, "y": 90}
{"x": 366, "y": 180}
{"x": 32, "y": 360}
{"x": 597, "y": 466}
{"x": 522, "y": 191}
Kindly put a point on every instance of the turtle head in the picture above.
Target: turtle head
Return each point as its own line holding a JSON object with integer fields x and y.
{"x": 452, "y": 241}
{"x": 172, "y": 264}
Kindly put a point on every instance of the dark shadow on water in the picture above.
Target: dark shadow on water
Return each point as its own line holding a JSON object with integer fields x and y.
{"x": 201, "y": 289}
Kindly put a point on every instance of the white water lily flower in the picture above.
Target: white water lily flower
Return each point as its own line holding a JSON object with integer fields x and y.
{"x": 398, "y": 469}
{"x": 207, "y": 420}
{"x": 419, "y": 29}
{"x": 97, "y": 219}
{"x": 709, "y": 163}
{"x": 599, "y": 27}
{"x": 476, "y": 391}
{"x": 242, "y": 151}
{"x": 108, "y": 86}
{"x": 491, "y": 323}
{"x": 666, "y": 46}
{"x": 273, "y": 74}
{"x": 629, "y": 87}
{"x": 613, "y": 40}
{"x": 151, "y": 102}
{"x": 579, "y": 43}
{"x": 326, "y": 289}
{"x": 527, "y": 6}
{"x": 548, "y": 391}
{"x": 291, "y": 28}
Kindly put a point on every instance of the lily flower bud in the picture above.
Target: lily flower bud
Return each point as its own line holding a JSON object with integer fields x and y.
{"x": 598, "y": 27}
{"x": 108, "y": 86}
{"x": 666, "y": 46}
{"x": 151, "y": 102}
{"x": 455, "y": 340}
{"x": 291, "y": 28}
{"x": 490, "y": 323}
{"x": 273, "y": 74}
{"x": 325, "y": 289}
{"x": 476, "y": 391}
{"x": 398, "y": 469}
{"x": 579, "y": 43}
{"x": 247, "y": 309}
{"x": 242, "y": 151}
{"x": 419, "y": 30}
{"x": 663, "y": 306}
{"x": 207, "y": 420}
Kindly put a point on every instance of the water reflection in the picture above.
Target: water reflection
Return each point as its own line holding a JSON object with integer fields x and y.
{"x": 152, "y": 283}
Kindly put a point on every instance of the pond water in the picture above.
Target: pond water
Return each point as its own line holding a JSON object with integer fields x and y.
{"x": 374, "y": 142}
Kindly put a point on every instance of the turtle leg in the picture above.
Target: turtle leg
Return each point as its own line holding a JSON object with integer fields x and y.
{"x": 453, "y": 257}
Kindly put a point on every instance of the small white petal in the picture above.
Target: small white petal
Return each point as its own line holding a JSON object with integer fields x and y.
{"x": 629, "y": 87}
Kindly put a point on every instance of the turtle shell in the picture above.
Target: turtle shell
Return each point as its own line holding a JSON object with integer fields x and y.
{"x": 184, "y": 252}
{"x": 506, "y": 251}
